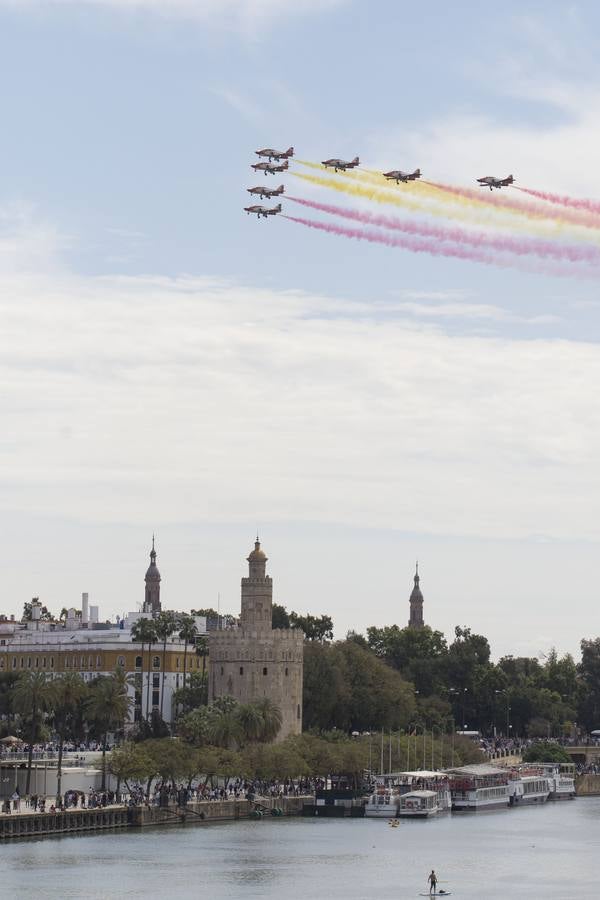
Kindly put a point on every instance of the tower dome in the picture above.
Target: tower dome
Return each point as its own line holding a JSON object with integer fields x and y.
{"x": 258, "y": 554}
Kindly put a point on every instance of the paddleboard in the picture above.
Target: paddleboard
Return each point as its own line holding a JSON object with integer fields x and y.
{"x": 445, "y": 894}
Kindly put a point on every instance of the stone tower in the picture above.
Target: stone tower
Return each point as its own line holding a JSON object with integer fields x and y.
{"x": 253, "y": 660}
{"x": 416, "y": 604}
{"x": 152, "y": 579}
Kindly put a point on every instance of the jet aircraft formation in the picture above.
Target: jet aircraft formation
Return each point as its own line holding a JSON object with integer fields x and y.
{"x": 276, "y": 161}
{"x": 273, "y": 162}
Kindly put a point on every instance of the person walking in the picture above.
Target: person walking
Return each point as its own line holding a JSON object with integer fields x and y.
{"x": 432, "y": 881}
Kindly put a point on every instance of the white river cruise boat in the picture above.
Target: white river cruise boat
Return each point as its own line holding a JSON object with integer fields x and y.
{"x": 419, "y": 805}
{"x": 561, "y": 776}
{"x": 479, "y": 787}
{"x": 529, "y": 785}
{"x": 383, "y": 803}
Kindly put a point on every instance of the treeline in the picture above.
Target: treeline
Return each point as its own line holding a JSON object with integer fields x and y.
{"x": 392, "y": 677}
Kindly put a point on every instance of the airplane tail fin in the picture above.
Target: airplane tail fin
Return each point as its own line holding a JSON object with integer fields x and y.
{"x": 417, "y": 172}
{"x": 285, "y": 164}
{"x": 278, "y": 207}
{"x": 356, "y": 160}
{"x": 289, "y": 151}
{"x": 281, "y": 189}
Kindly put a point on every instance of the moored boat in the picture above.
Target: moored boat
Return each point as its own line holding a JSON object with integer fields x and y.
{"x": 530, "y": 785}
{"x": 419, "y": 805}
{"x": 479, "y": 787}
{"x": 383, "y": 803}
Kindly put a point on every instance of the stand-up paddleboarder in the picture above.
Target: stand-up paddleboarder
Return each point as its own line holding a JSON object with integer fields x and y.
{"x": 432, "y": 880}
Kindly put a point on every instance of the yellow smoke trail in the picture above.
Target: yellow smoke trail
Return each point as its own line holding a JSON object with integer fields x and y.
{"x": 430, "y": 200}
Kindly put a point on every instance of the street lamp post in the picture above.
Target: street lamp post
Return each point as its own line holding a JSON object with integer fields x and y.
{"x": 508, "y": 726}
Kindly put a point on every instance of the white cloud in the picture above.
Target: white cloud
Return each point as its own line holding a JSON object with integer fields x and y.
{"x": 156, "y": 399}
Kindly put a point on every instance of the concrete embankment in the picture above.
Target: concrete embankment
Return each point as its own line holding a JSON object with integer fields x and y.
{"x": 73, "y": 821}
{"x": 587, "y": 785}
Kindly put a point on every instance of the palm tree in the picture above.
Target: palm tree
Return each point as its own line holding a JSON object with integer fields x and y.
{"x": 201, "y": 647}
{"x": 33, "y": 696}
{"x": 107, "y": 709}
{"x": 224, "y": 728}
{"x": 70, "y": 691}
{"x": 251, "y": 721}
{"x": 272, "y": 718}
{"x": 165, "y": 624}
{"x": 144, "y": 632}
{"x": 187, "y": 633}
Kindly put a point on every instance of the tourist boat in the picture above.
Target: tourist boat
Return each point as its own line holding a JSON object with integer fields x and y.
{"x": 419, "y": 805}
{"x": 383, "y": 803}
{"x": 561, "y": 776}
{"x": 529, "y": 786}
{"x": 423, "y": 780}
{"x": 479, "y": 787}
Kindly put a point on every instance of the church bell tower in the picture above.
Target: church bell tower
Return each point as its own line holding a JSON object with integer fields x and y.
{"x": 152, "y": 579}
{"x": 416, "y": 604}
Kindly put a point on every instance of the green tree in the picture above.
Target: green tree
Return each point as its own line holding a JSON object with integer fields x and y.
{"x": 143, "y": 632}
{"x": 69, "y": 692}
{"x": 33, "y": 696}
{"x": 315, "y": 628}
{"x": 543, "y": 752}
{"x": 224, "y": 728}
{"x": 251, "y": 721}
{"x": 194, "y": 726}
{"x": 417, "y": 653}
{"x": 187, "y": 634}
{"x": 280, "y": 617}
{"x": 107, "y": 709}
{"x": 271, "y": 717}
{"x": 165, "y": 624}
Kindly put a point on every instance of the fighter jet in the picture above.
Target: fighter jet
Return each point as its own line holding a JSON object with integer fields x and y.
{"x": 269, "y": 168}
{"x": 398, "y": 176}
{"x": 492, "y": 182}
{"x": 338, "y": 164}
{"x": 266, "y": 193}
{"x": 275, "y": 154}
{"x": 263, "y": 210}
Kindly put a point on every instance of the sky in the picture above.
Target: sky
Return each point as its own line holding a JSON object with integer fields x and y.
{"x": 170, "y": 365}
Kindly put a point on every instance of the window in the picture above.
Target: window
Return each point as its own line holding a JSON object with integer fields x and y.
{"x": 51, "y": 662}
{"x": 177, "y": 681}
{"x": 28, "y": 662}
{"x": 298, "y": 711}
{"x": 2, "y": 663}
{"x": 138, "y": 662}
{"x": 22, "y": 661}
{"x": 44, "y": 662}
{"x": 155, "y": 699}
{"x": 265, "y": 670}
{"x": 241, "y": 670}
{"x": 14, "y": 664}
{"x": 37, "y": 662}
{"x": 98, "y": 662}
{"x": 222, "y": 670}
{"x": 68, "y": 662}
{"x": 91, "y": 662}
{"x": 177, "y": 662}
{"x": 156, "y": 662}
{"x": 3, "y": 643}
{"x": 121, "y": 662}
{"x": 286, "y": 670}
{"x": 155, "y": 681}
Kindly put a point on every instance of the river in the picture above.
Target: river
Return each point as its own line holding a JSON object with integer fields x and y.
{"x": 547, "y": 851}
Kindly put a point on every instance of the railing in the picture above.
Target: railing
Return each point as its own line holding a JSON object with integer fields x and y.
{"x": 71, "y": 757}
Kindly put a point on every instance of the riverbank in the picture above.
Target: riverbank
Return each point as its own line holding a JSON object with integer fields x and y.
{"x": 72, "y": 821}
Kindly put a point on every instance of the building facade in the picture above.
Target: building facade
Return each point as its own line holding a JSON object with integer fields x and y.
{"x": 416, "y": 604}
{"x": 83, "y": 644}
{"x": 253, "y": 660}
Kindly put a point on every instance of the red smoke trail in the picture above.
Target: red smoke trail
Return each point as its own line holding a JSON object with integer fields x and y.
{"x": 422, "y": 245}
{"x": 581, "y": 216}
{"x": 522, "y": 247}
{"x": 591, "y": 206}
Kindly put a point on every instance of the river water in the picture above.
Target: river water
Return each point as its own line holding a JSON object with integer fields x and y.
{"x": 548, "y": 851}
